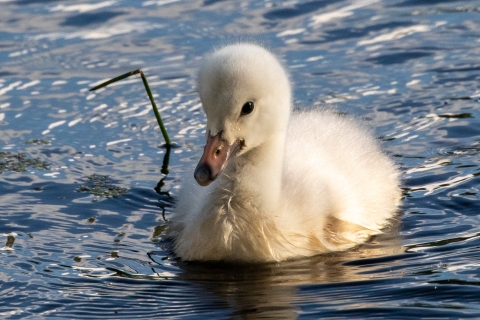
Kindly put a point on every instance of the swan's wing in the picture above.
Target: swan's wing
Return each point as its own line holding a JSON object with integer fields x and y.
{"x": 336, "y": 169}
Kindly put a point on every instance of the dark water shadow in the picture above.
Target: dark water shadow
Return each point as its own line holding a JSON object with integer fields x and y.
{"x": 298, "y": 9}
{"x": 85, "y": 19}
{"x": 399, "y": 58}
{"x": 408, "y": 3}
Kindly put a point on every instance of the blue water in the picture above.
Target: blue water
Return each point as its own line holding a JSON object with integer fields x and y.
{"x": 409, "y": 69}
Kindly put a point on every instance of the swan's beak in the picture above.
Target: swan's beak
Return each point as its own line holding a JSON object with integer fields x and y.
{"x": 215, "y": 157}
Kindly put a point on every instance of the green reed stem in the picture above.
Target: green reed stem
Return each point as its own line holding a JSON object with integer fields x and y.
{"x": 150, "y": 96}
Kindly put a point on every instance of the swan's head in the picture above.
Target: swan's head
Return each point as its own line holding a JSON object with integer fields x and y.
{"x": 245, "y": 94}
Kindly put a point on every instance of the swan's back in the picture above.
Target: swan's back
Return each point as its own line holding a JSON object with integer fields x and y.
{"x": 335, "y": 169}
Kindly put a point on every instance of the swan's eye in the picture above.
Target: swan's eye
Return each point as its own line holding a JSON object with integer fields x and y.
{"x": 247, "y": 108}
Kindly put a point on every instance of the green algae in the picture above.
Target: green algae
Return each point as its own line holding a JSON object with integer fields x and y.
{"x": 101, "y": 186}
{"x": 20, "y": 162}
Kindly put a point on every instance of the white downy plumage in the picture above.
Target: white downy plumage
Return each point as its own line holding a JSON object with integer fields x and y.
{"x": 277, "y": 185}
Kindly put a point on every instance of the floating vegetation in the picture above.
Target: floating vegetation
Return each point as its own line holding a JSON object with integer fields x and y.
{"x": 37, "y": 142}
{"x": 101, "y": 186}
{"x": 157, "y": 232}
{"x": 19, "y": 162}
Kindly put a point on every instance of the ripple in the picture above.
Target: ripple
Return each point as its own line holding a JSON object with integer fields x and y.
{"x": 399, "y": 58}
{"x": 82, "y": 7}
{"x": 408, "y": 69}
{"x": 101, "y": 32}
{"x": 83, "y": 19}
{"x": 297, "y": 10}
{"x": 395, "y": 34}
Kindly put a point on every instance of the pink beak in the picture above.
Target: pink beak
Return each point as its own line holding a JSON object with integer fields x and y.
{"x": 215, "y": 157}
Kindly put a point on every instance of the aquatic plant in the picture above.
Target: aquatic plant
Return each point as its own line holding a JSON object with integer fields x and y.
{"x": 37, "y": 142}
{"x": 19, "y": 162}
{"x": 150, "y": 96}
{"x": 101, "y": 186}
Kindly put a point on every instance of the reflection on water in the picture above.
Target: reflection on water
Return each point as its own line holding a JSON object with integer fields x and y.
{"x": 271, "y": 290}
{"x": 86, "y": 187}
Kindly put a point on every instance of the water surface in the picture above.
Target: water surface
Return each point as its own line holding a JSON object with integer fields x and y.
{"x": 409, "y": 69}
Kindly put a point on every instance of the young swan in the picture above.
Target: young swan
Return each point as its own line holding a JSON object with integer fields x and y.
{"x": 272, "y": 185}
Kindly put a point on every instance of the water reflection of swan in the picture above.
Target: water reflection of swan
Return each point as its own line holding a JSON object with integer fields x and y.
{"x": 277, "y": 185}
{"x": 275, "y": 290}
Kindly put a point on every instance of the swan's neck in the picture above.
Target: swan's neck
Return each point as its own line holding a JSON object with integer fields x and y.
{"x": 257, "y": 175}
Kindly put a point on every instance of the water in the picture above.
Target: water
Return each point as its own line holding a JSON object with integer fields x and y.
{"x": 410, "y": 69}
